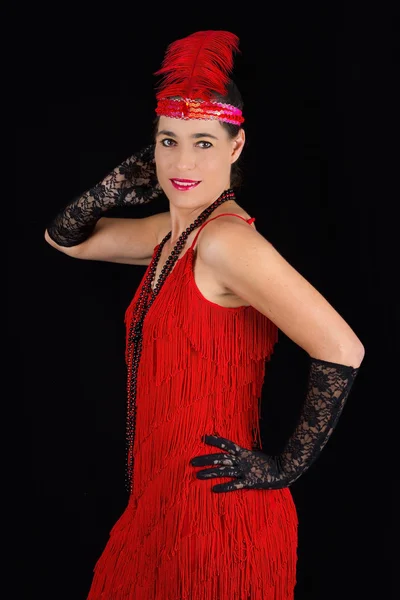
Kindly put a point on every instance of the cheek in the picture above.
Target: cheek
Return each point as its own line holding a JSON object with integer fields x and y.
{"x": 161, "y": 163}
{"x": 211, "y": 161}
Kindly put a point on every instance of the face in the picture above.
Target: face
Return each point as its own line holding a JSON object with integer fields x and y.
{"x": 193, "y": 160}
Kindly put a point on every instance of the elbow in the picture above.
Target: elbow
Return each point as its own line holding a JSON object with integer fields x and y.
{"x": 73, "y": 251}
{"x": 349, "y": 349}
{"x": 49, "y": 240}
{"x": 355, "y": 351}
{"x": 352, "y": 355}
{"x": 359, "y": 354}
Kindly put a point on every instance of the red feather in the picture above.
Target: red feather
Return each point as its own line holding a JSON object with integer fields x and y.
{"x": 198, "y": 65}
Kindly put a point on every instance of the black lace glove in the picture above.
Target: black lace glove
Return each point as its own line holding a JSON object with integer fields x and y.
{"x": 132, "y": 182}
{"x": 328, "y": 387}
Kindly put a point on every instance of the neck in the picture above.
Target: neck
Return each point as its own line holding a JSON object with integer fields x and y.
{"x": 181, "y": 219}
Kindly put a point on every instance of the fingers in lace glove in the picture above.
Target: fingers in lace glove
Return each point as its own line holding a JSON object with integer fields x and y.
{"x": 252, "y": 468}
{"x": 135, "y": 179}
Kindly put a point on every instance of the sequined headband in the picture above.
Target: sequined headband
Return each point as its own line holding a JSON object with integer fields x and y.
{"x": 195, "y": 71}
{"x": 187, "y": 108}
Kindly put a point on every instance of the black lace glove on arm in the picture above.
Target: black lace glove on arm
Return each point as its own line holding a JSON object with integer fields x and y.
{"x": 328, "y": 387}
{"x": 133, "y": 182}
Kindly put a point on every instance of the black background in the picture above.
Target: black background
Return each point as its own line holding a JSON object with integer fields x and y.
{"x": 317, "y": 85}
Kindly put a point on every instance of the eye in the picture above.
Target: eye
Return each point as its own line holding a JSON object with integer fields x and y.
{"x": 205, "y": 145}
{"x": 167, "y": 142}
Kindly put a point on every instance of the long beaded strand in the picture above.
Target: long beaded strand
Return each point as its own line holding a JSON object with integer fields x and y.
{"x": 134, "y": 344}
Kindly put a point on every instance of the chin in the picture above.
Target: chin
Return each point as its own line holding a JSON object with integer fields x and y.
{"x": 186, "y": 198}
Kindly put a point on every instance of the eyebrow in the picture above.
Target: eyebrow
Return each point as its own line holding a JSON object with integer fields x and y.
{"x": 194, "y": 135}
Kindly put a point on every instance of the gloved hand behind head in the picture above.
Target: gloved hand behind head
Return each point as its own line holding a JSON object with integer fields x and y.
{"x": 134, "y": 181}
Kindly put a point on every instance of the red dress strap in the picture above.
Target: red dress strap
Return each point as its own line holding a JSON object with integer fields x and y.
{"x": 249, "y": 221}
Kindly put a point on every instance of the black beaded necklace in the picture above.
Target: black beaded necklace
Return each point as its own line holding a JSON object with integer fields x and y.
{"x": 146, "y": 298}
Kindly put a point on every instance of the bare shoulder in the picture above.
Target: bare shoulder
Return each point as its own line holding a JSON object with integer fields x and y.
{"x": 228, "y": 226}
{"x": 237, "y": 242}
{"x": 229, "y": 213}
{"x": 214, "y": 225}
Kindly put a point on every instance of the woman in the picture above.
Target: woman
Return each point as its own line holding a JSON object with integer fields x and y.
{"x": 200, "y": 329}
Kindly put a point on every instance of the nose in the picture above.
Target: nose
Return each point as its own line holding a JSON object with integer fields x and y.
{"x": 185, "y": 159}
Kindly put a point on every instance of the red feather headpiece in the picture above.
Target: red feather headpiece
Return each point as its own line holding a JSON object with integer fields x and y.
{"x": 194, "y": 69}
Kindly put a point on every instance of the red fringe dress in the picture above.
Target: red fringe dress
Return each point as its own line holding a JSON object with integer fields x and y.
{"x": 201, "y": 372}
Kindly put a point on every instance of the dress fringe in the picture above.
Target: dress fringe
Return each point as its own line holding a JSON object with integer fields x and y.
{"x": 177, "y": 539}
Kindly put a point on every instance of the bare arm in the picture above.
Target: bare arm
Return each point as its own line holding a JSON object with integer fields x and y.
{"x": 248, "y": 264}
{"x": 130, "y": 241}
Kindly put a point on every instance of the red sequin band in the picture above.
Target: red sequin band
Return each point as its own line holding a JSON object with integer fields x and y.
{"x": 199, "y": 109}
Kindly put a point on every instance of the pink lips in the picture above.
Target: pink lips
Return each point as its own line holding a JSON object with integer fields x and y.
{"x": 184, "y": 184}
